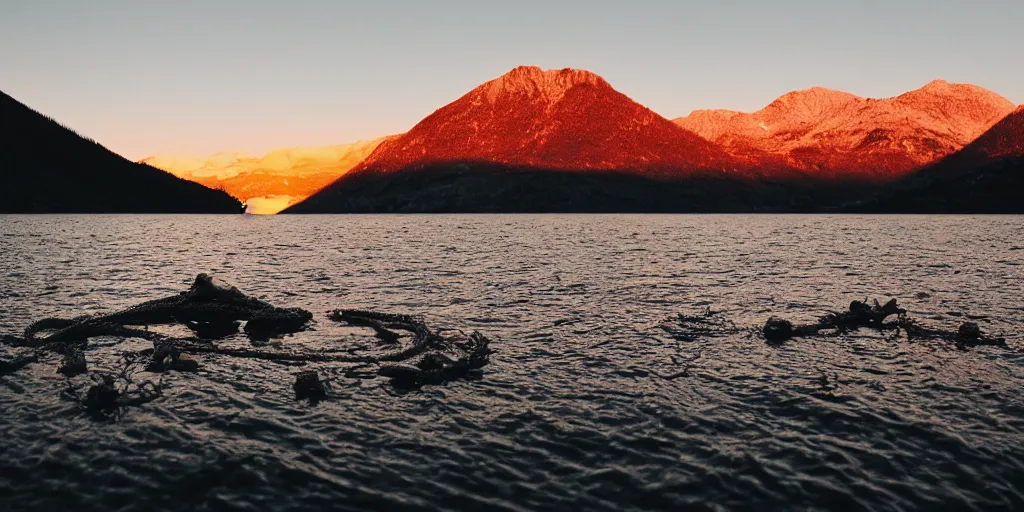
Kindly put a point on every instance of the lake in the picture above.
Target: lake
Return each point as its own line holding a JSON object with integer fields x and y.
{"x": 574, "y": 410}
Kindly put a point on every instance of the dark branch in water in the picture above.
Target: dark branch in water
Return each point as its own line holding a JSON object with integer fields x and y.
{"x": 17, "y": 363}
{"x": 207, "y": 307}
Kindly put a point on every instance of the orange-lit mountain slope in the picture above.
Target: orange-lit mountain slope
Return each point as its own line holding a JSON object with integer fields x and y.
{"x": 1004, "y": 140}
{"x": 986, "y": 176}
{"x": 559, "y": 120}
{"x": 269, "y": 183}
{"x": 838, "y": 134}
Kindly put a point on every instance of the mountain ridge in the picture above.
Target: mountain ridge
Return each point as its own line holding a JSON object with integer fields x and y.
{"x": 46, "y": 167}
{"x": 837, "y": 133}
{"x": 527, "y": 122}
{"x": 986, "y": 176}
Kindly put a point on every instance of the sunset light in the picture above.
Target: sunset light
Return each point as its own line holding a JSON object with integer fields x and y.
{"x": 541, "y": 255}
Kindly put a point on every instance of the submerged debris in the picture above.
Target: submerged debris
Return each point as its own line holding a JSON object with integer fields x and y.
{"x": 441, "y": 364}
{"x": 107, "y": 395}
{"x": 860, "y": 314}
{"x": 17, "y": 363}
{"x": 969, "y": 335}
{"x": 270, "y": 323}
{"x": 73, "y": 363}
{"x": 101, "y": 396}
{"x": 708, "y": 324}
{"x": 14, "y": 341}
{"x": 167, "y": 356}
{"x": 213, "y": 330}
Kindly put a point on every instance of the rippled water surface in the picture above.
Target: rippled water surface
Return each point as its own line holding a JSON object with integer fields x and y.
{"x": 574, "y": 410}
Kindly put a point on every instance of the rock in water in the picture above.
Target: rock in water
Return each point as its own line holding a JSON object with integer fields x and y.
{"x": 777, "y": 330}
{"x": 102, "y": 396}
{"x": 309, "y": 387}
{"x": 969, "y": 332}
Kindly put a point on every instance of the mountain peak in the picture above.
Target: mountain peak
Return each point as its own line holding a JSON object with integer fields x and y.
{"x": 942, "y": 88}
{"x": 938, "y": 84}
{"x": 530, "y": 120}
{"x": 815, "y": 99}
{"x": 533, "y": 81}
{"x": 827, "y": 130}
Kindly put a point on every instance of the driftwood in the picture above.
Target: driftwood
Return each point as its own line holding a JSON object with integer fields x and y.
{"x": 214, "y": 310}
{"x": 861, "y": 315}
{"x": 208, "y": 307}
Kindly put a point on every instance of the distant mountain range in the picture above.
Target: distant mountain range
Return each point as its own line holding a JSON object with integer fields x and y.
{"x": 567, "y": 141}
{"x": 519, "y": 142}
{"x": 47, "y": 168}
{"x": 836, "y": 134}
{"x": 270, "y": 183}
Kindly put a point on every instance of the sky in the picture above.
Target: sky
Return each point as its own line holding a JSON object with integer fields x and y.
{"x": 148, "y": 77}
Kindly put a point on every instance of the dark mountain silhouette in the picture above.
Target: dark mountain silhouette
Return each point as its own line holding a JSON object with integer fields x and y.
{"x": 485, "y": 187}
{"x": 986, "y": 176}
{"x": 536, "y": 140}
{"x": 48, "y": 168}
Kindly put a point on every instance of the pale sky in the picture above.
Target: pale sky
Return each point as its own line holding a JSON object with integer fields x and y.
{"x": 145, "y": 77}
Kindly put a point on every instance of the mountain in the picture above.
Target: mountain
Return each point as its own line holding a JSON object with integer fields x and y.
{"x": 269, "y": 183}
{"x": 559, "y": 120}
{"x": 47, "y": 168}
{"x": 839, "y": 135}
{"x": 986, "y": 176}
{"x": 533, "y": 140}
